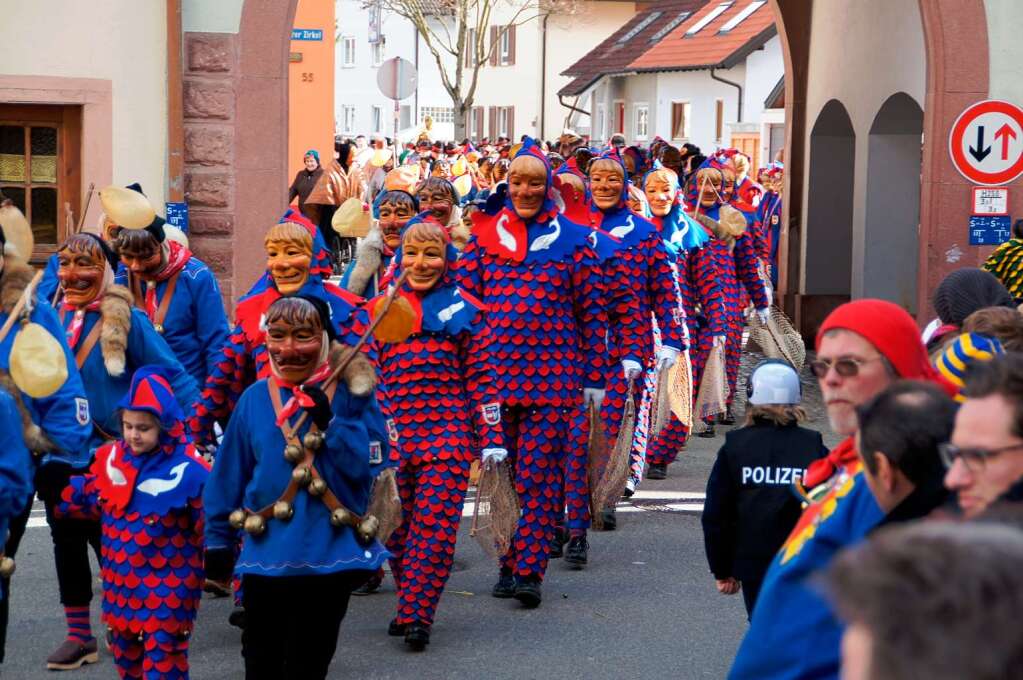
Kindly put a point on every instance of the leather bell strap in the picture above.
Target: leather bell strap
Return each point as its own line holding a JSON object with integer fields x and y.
{"x": 82, "y": 353}
{"x": 146, "y": 301}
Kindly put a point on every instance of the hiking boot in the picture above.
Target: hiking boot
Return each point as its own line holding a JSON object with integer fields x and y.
{"x": 707, "y": 434}
{"x": 727, "y": 418}
{"x": 371, "y": 586}
{"x": 216, "y": 589}
{"x": 528, "y": 593}
{"x": 505, "y": 587}
{"x": 73, "y": 654}
{"x": 608, "y": 519}
{"x": 575, "y": 554}
{"x": 657, "y": 471}
{"x": 558, "y": 543}
{"x": 237, "y": 617}
{"x": 395, "y": 629}
{"x": 417, "y": 636}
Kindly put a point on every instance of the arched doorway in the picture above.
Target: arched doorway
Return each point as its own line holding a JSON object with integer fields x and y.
{"x": 891, "y": 236}
{"x": 827, "y": 255}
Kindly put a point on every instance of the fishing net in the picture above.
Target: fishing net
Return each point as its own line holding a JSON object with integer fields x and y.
{"x": 660, "y": 405}
{"x": 711, "y": 397}
{"x": 680, "y": 390}
{"x": 598, "y": 453}
{"x": 777, "y": 338}
{"x": 496, "y": 514}
{"x": 385, "y": 504}
{"x": 608, "y": 489}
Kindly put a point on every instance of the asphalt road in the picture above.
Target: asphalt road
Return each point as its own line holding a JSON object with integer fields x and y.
{"x": 646, "y": 606}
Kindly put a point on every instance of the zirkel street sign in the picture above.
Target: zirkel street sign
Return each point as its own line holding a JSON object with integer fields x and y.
{"x": 986, "y": 142}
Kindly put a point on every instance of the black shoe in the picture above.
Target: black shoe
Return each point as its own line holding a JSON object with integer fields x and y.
{"x": 558, "y": 543}
{"x": 528, "y": 593}
{"x": 706, "y": 434}
{"x": 417, "y": 636}
{"x": 727, "y": 418}
{"x": 237, "y": 618}
{"x": 628, "y": 493}
{"x": 608, "y": 521}
{"x": 657, "y": 471}
{"x": 575, "y": 554}
{"x": 505, "y": 587}
{"x": 370, "y": 586}
{"x": 395, "y": 629}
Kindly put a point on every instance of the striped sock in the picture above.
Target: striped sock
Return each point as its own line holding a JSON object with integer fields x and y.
{"x": 78, "y": 627}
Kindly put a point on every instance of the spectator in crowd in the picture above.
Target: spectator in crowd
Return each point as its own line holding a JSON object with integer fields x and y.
{"x": 750, "y": 508}
{"x": 1002, "y": 323}
{"x": 900, "y": 431}
{"x": 360, "y": 143}
{"x": 960, "y": 294}
{"x": 1006, "y": 262}
{"x": 985, "y": 455}
{"x": 305, "y": 181}
{"x": 618, "y": 141}
{"x": 932, "y": 600}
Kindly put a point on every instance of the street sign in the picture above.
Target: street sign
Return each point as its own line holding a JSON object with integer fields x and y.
{"x": 986, "y": 142}
{"x": 397, "y": 78}
{"x": 989, "y": 230}
{"x": 177, "y": 214}
{"x": 307, "y": 34}
{"x": 987, "y": 201}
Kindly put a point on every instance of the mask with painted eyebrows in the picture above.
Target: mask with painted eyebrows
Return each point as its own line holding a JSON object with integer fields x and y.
{"x": 289, "y": 253}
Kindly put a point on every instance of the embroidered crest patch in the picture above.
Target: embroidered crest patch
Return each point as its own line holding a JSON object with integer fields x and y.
{"x": 376, "y": 453}
{"x": 392, "y": 431}
{"x": 491, "y": 413}
{"x": 82, "y": 410}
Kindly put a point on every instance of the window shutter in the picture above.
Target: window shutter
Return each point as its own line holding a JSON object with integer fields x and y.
{"x": 511, "y": 124}
{"x": 511, "y": 45}
{"x": 494, "y": 132}
{"x": 495, "y": 49}
{"x": 479, "y": 123}
{"x": 676, "y": 111}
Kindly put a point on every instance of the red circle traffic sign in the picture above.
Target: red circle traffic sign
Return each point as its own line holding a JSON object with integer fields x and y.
{"x": 983, "y": 159}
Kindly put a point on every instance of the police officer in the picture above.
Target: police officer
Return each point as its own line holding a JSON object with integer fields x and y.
{"x": 750, "y": 506}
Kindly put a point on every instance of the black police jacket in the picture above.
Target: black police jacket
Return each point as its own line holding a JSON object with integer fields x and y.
{"x": 751, "y": 506}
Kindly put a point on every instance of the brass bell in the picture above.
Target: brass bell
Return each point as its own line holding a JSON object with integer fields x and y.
{"x": 237, "y": 518}
{"x": 7, "y": 566}
{"x": 317, "y": 487}
{"x": 368, "y": 528}
{"x": 158, "y": 327}
{"x": 255, "y": 525}
{"x": 302, "y": 475}
{"x": 313, "y": 440}
{"x": 283, "y": 511}
{"x": 293, "y": 453}
{"x": 340, "y": 517}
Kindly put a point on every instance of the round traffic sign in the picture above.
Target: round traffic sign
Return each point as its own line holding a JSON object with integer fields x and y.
{"x": 986, "y": 142}
{"x": 397, "y": 78}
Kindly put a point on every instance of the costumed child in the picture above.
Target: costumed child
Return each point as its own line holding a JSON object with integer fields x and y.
{"x": 750, "y": 508}
{"x": 702, "y": 301}
{"x": 145, "y": 489}
{"x": 542, "y": 286}
{"x": 769, "y": 218}
{"x": 440, "y": 391}
{"x": 294, "y": 471}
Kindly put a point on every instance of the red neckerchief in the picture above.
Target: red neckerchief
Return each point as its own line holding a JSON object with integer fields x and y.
{"x": 298, "y": 397}
{"x": 74, "y": 331}
{"x": 115, "y": 476}
{"x": 821, "y": 470}
{"x": 415, "y": 301}
{"x": 177, "y": 257}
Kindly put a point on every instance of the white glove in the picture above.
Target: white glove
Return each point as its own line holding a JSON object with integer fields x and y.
{"x": 494, "y": 456}
{"x": 719, "y": 341}
{"x": 666, "y": 357}
{"x": 770, "y": 295}
{"x": 763, "y": 314}
{"x": 632, "y": 369}
{"x": 593, "y": 394}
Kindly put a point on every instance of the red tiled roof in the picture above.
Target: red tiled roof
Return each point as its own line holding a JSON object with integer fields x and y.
{"x": 616, "y": 52}
{"x": 709, "y": 47}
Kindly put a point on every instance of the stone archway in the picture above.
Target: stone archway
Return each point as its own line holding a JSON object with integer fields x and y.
{"x": 893, "y": 202}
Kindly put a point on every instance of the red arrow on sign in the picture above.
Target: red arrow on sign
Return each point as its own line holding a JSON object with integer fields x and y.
{"x": 1005, "y": 132}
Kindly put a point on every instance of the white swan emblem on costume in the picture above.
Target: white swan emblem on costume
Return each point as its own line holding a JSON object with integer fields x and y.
{"x": 505, "y": 236}
{"x": 623, "y": 230}
{"x": 114, "y": 473}
{"x": 155, "y": 486}
{"x": 449, "y": 312}
{"x": 547, "y": 240}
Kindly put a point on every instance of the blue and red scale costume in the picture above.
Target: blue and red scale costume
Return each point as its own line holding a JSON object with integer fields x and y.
{"x": 149, "y": 505}
{"x": 541, "y": 283}
{"x": 193, "y": 321}
{"x": 243, "y": 359}
{"x": 439, "y": 386}
{"x": 769, "y": 223}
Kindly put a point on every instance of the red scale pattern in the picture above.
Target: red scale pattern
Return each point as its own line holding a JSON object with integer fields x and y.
{"x": 156, "y": 656}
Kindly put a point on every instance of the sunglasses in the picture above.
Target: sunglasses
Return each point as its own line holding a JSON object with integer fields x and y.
{"x": 974, "y": 458}
{"x": 847, "y": 367}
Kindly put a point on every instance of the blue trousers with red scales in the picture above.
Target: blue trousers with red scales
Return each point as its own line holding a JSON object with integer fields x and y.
{"x": 159, "y": 655}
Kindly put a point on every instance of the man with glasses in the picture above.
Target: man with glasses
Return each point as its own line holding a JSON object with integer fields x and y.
{"x": 862, "y": 348}
{"x": 985, "y": 455}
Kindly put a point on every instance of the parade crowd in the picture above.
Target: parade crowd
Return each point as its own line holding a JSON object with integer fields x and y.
{"x": 556, "y": 317}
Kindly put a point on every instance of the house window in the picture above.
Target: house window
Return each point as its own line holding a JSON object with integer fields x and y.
{"x": 504, "y": 39}
{"x": 642, "y": 120}
{"x": 680, "y": 114}
{"x": 598, "y": 132}
{"x": 39, "y": 169}
{"x": 378, "y": 119}
{"x": 378, "y": 51}
{"x": 719, "y": 119}
{"x": 347, "y": 119}
{"x": 470, "y": 48}
{"x": 347, "y": 52}
{"x": 502, "y": 121}
{"x": 405, "y": 116}
{"x": 476, "y": 122}
{"x": 438, "y": 114}
{"x": 618, "y": 124}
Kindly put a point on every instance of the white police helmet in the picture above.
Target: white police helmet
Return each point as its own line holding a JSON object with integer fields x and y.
{"x": 773, "y": 382}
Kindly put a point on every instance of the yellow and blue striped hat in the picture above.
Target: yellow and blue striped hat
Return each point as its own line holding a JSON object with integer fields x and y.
{"x": 961, "y": 352}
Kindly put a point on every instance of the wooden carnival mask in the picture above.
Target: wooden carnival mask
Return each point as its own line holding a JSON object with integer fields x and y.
{"x": 289, "y": 253}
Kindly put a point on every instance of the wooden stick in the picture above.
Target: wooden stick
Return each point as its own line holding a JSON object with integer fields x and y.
{"x": 81, "y": 218}
{"x": 20, "y": 305}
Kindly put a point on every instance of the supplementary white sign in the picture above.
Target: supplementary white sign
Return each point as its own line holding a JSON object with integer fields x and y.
{"x": 990, "y": 201}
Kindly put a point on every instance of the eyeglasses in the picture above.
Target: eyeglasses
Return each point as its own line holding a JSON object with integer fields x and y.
{"x": 847, "y": 367}
{"x": 974, "y": 458}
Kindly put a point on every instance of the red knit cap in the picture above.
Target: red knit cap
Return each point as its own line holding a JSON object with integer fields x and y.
{"x": 891, "y": 330}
